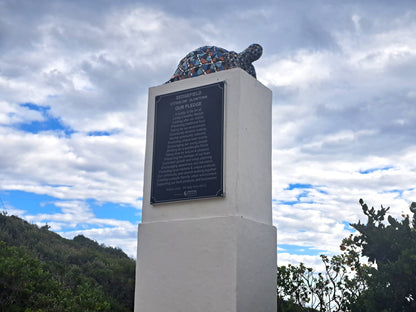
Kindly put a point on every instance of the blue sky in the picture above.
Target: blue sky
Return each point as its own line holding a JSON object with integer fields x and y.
{"x": 74, "y": 78}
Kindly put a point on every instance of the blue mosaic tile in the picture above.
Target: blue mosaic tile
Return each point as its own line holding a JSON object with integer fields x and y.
{"x": 210, "y": 59}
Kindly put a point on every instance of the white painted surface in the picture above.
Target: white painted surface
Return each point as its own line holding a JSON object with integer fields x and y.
{"x": 247, "y": 152}
{"x": 225, "y": 264}
{"x": 215, "y": 254}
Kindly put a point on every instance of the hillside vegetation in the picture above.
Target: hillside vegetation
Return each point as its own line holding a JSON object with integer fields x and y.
{"x": 41, "y": 271}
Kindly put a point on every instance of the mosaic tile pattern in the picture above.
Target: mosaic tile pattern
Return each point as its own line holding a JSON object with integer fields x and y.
{"x": 210, "y": 59}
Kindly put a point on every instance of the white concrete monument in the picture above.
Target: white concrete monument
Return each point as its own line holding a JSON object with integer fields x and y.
{"x": 206, "y": 242}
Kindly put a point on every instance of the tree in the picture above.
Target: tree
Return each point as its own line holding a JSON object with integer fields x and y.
{"x": 391, "y": 246}
{"x": 385, "y": 284}
{"x": 336, "y": 289}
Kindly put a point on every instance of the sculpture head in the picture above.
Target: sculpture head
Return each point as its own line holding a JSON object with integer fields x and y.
{"x": 251, "y": 54}
{"x": 248, "y": 56}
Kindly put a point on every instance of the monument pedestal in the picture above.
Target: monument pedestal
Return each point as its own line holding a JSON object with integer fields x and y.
{"x": 214, "y": 254}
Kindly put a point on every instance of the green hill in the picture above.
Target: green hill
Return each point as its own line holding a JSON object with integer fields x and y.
{"x": 41, "y": 271}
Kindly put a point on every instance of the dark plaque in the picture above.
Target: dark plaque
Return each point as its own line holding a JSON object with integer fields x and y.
{"x": 188, "y": 144}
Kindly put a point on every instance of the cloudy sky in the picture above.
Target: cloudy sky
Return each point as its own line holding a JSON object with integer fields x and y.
{"x": 74, "y": 77}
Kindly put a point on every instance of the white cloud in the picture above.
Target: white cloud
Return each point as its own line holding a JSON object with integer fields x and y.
{"x": 13, "y": 114}
{"x": 78, "y": 215}
{"x": 124, "y": 237}
{"x": 313, "y": 262}
{"x": 344, "y": 102}
{"x": 303, "y": 69}
{"x": 106, "y": 168}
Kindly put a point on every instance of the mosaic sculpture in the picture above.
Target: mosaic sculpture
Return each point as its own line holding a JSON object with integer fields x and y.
{"x": 210, "y": 59}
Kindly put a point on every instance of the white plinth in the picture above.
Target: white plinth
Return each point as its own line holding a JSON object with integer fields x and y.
{"x": 214, "y": 254}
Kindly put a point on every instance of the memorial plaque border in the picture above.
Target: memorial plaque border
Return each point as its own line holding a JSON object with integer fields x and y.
{"x": 218, "y": 190}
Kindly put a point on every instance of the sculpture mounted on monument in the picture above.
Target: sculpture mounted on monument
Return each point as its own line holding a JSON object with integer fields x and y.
{"x": 211, "y": 59}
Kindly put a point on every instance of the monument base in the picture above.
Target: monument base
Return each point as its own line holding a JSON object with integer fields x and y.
{"x": 213, "y": 264}
{"x": 216, "y": 254}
